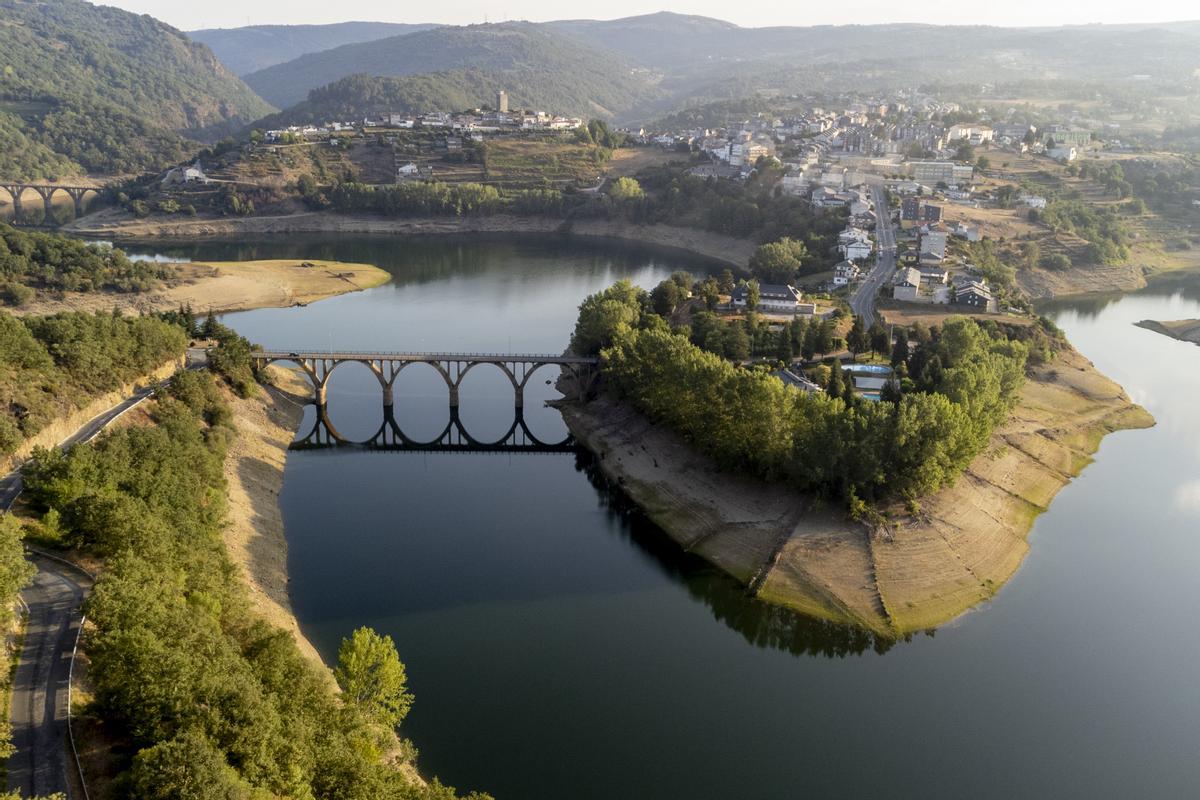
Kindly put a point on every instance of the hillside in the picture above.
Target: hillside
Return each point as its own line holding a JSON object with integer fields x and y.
{"x": 679, "y": 44}
{"x": 536, "y": 65}
{"x": 85, "y": 87}
{"x": 255, "y": 47}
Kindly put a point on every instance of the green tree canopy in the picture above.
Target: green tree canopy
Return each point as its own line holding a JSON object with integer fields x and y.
{"x": 372, "y": 677}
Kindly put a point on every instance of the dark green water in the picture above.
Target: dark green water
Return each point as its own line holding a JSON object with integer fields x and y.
{"x": 560, "y": 647}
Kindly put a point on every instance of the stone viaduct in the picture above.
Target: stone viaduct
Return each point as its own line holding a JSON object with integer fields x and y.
{"x": 47, "y": 191}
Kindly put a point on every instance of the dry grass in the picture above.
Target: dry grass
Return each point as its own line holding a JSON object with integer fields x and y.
{"x": 230, "y": 286}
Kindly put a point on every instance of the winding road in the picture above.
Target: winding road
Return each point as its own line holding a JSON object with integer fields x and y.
{"x": 862, "y": 302}
{"x": 41, "y": 763}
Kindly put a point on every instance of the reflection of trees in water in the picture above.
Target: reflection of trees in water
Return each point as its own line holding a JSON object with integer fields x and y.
{"x": 416, "y": 259}
{"x": 761, "y": 624}
{"x": 1185, "y": 284}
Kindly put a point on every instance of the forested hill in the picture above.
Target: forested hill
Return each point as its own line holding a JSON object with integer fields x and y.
{"x": 536, "y": 65}
{"x": 256, "y": 47}
{"x": 86, "y": 87}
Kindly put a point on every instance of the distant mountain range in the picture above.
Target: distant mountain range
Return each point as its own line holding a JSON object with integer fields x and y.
{"x": 640, "y": 67}
{"x": 246, "y": 50}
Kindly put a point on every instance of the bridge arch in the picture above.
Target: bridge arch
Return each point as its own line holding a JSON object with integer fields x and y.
{"x": 18, "y": 190}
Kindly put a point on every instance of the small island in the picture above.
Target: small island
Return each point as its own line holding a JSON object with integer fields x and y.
{"x": 1185, "y": 330}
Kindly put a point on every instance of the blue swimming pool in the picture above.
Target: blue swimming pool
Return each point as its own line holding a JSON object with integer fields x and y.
{"x": 872, "y": 369}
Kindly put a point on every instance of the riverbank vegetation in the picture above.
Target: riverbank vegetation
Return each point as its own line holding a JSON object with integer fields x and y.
{"x": 666, "y": 194}
{"x": 33, "y": 262}
{"x": 52, "y": 365}
{"x": 207, "y": 700}
{"x": 958, "y": 386}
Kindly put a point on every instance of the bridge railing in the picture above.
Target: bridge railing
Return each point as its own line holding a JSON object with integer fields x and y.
{"x": 386, "y": 355}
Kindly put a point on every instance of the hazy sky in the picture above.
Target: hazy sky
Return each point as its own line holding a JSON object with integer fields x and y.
{"x": 233, "y": 13}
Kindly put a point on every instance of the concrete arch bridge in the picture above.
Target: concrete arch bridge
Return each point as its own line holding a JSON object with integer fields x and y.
{"x": 319, "y": 366}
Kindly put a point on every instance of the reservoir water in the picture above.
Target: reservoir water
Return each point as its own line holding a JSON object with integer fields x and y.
{"x": 559, "y": 647}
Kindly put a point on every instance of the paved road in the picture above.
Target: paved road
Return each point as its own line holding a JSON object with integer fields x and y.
{"x": 39, "y": 702}
{"x": 862, "y": 302}
{"x": 39, "y": 698}
{"x": 11, "y": 484}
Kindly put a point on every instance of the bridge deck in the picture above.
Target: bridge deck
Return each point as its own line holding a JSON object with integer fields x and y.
{"x": 367, "y": 355}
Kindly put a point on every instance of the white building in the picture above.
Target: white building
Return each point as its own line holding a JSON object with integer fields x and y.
{"x": 845, "y": 272}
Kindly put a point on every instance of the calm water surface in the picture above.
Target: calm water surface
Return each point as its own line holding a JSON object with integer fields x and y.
{"x": 559, "y": 647}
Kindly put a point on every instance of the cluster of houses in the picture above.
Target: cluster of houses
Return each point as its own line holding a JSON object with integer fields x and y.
{"x": 923, "y": 276}
{"x": 477, "y": 123}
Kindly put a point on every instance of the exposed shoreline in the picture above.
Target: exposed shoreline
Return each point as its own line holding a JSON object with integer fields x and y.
{"x": 221, "y": 286}
{"x": 713, "y": 246}
{"x": 1184, "y": 330}
{"x": 254, "y": 470}
{"x": 926, "y": 569}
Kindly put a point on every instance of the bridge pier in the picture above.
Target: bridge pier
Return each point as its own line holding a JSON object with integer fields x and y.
{"x": 454, "y": 397}
{"x": 15, "y": 192}
{"x": 388, "y": 396}
{"x": 77, "y": 196}
{"x": 47, "y": 204}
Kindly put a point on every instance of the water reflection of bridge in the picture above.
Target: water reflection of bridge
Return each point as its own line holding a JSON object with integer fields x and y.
{"x": 454, "y": 438}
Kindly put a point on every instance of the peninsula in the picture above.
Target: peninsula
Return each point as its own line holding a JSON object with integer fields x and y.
{"x": 923, "y": 553}
{"x": 1185, "y": 330}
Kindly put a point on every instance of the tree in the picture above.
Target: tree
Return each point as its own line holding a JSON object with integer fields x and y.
{"x": 900, "y": 348}
{"x": 834, "y": 387}
{"x": 626, "y": 190}
{"x": 603, "y": 314}
{"x": 710, "y": 293}
{"x": 725, "y": 282}
{"x": 783, "y": 345}
{"x": 186, "y": 767}
{"x": 753, "y": 295}
{"x": 808, "y": 348}
{"x": 878, "y": 335}
{"x": 665, "y": 298}
{"x": 857, "y": 341}
{"x": 372, "y": 677}
{"x": 779, "y": 261}
{"x": 823, "y": 340}
{"x": 736, "y": 342}
{"x": 983, "y": 163}
{"x": 684, "y": 280}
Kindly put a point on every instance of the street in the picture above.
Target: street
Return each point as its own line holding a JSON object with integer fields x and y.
{"x": 862, "y": 302}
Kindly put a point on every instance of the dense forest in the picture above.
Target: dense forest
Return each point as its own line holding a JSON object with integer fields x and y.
{"x": 958, "y": 385}
{"x": 50, "y": 366}
{"x": 107, "y": 91}
{"x": 32, "y": 262}
{"x": 208, "y": 700}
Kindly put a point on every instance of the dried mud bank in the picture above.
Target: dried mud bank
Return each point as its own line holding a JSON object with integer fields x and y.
{"x": 716, "y": 247}
{"x": 965, "y": 542}
{"x": 254, "y": 466}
